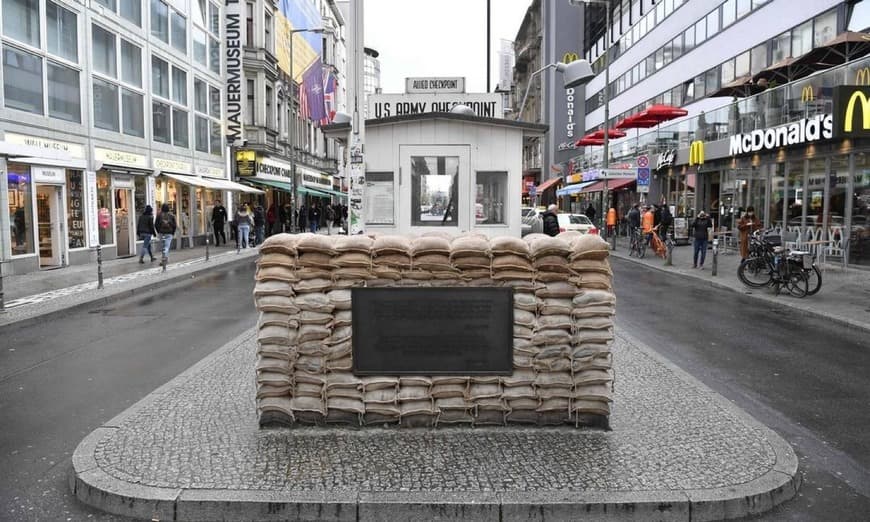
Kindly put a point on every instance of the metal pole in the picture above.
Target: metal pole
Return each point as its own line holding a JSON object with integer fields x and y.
{"x": 99, "y": 267}
{"x": 670, "y": 244}
{"x": 607, "y": 88}
{"x": 2, "y": 300}
{"x": 207, "y": 238}
{"x": 292, "y": 138}
{"x": 715, "y": 256}
{"x": 488, "y": 39}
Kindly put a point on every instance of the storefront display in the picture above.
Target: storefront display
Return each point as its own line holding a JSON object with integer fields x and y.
{"x": 20, "y": 208}
{"x": 104, "y": 205}
{"x": 75, "y": 209}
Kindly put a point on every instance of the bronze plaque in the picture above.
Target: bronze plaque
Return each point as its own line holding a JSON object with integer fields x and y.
{"x": 433, "y": 331}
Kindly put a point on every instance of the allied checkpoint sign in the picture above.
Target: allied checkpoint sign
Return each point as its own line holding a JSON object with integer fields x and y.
{"x": 487, "y": 105}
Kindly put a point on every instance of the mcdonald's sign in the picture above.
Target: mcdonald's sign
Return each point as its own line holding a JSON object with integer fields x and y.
{"x": 862, "y": 76}
{"x": 570, "y": 57}
{"x": 852, "y": 111}
{"x": 696, "y": 153}
{"x": 808, "y": 94}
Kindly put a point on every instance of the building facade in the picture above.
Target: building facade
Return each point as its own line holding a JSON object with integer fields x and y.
{"x": 107, "y": 107}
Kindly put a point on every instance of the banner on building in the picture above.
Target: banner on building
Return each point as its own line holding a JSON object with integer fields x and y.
{"x": 387, "y": 105}
{"x": 851, "y": 111}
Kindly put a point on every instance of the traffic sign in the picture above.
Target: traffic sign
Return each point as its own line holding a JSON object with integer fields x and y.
{"x": 533, "y": 190}
{"x": 617, "y": 173}
{"x": 643, "y": 178}
{"x": 643, "y": 161}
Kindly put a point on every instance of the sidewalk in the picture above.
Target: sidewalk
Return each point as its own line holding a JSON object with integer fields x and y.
{"x": 844, "y": 297}
{"x": 35, "y": 295}
{"x": 192, "y": 450}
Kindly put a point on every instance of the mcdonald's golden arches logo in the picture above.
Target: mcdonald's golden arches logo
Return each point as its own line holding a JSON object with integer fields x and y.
{"x": 851, "y": 103}
{"x": 808, "y": 94}
{"x": 696, "y": 153}
{"x": 569, "y": 57}
{"x": 862, "y": 76}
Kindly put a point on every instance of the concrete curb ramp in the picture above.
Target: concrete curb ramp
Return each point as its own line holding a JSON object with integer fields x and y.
{"x": 123, "y": 495}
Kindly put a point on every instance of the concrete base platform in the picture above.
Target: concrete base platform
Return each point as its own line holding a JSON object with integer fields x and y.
{"x": 192, "y": 450}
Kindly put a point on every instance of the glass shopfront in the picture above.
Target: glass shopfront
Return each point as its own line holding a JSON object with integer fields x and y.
{"x": 75, "y": 208}
{"x": 858, "y": 250}
{"x": 105, "y": 208}
{"x": 19, "y": 183}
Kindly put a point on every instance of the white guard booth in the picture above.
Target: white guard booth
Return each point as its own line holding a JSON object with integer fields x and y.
{"x": 443, "y": 171}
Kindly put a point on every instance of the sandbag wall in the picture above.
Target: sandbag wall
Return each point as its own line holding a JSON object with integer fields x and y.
{"x": 563, "y": 325}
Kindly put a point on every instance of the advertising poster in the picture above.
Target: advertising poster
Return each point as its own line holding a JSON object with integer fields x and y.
{"x": 307, "y": 46}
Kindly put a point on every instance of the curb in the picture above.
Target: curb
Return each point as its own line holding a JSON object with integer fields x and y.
{"x": 94, "y": 487}
{"x": 118, "y": 293}
{"x": 844, "y": 321}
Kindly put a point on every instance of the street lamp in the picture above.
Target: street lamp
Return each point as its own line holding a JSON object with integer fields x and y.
{"x": 575, "y": 73}
{"x": 292, "y": 133}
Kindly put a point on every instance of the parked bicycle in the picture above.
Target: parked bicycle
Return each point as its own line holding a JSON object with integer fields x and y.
{"x": 637, "y": 243}
{"x": 770, "y": 264}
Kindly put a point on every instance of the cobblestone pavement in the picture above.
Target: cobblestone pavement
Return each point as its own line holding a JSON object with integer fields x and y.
{"x": 669, "y": 434}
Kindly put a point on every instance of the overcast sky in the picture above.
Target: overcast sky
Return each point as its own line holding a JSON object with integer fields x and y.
{"x": 439, "y": 38}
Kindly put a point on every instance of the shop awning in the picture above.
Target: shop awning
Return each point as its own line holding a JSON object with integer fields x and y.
{"x": 612, "y": 184}
{"x": 286, "y": 187}
{"x": 548, "y": 184}
{"x": 233, "y": 186}
{"x": 334, "y": 193}
{"x": 573, "y": 189}
{"x": 314, "y": 192}
{"x": 196, "y": 181}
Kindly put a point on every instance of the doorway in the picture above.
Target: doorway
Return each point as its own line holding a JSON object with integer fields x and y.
{"x": 124, "y": 222}
{"x": 49, "y": 221}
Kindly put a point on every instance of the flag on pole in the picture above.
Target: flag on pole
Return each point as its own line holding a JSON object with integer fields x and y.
{"x": 312, "y": 87}
{"x": 328, "y": 99}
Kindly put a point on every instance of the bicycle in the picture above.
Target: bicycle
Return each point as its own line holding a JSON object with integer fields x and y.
{"x": 772, "y": 265}
{"x": 637, "y": 243}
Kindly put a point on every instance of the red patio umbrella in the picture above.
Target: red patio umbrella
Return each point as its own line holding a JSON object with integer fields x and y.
{"x": 587, "y": 141}
{"x": 611, "y": 133}
{"x": 662, "y": 112}
{"x": 636, "y": 122}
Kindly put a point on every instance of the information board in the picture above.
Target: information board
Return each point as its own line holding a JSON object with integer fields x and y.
{"x": 432, "y": 331}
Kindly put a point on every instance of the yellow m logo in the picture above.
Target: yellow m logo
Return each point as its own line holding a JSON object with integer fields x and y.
{"x": 570, "y": 57}
{"x": 862, "y": 76}
{"x": 850, "y": 111}
{"x": 696, "y": 153}
{"x": 808, "y": 94}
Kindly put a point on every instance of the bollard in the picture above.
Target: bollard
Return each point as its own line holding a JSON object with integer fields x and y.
{"x": 715, "y": 257}
{"x": 613, "y": 238}
{"x": 670, "y": 244}
{"x": 99, "y": 267}
{"x": 207, "y": 235}
{"x": 2, "y": 301}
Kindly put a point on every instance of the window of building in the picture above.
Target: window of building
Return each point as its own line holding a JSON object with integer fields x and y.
{"x": 105, "y": 212}
{"x": 133, "y": 117}
{"x": 267, "y": 32}
{"x": 249, "y": 24}
{"x": 179, "y": 32}
{"x": 105, "y": 54}
{"x": 802, "y": 39}
{"x": 180, "y": 128}
{"x": 713, "y": 23}
{"x": 179, "y": 86}
{"x": 64, "y": 98}
{"x": 131, "y": 63}
{"x": 22, "y": 80}
{"x": 159, "y": 77}
{"x": 161, "y": 122}
{"x": 214, "y": 15}
{"x": 729, "y": 12}
{"x": 75, "y": 205}
{"x": 61, "y": 31}
{"x": 743, "y": 8}
{"x": 490, "y": 197}
{"x": 759, "y": 59}
{"x": 380, "y": 197}
{"x": 199, "y": 9}
{"x": 700, "y": 32}
{"x": 689, "y": 39}
{"x": 250, "y": 107}
{"x": 201, "y": 131}
{"x": 200, "y": 96}
{"x": 677, "y": 46}
{"x": 711, "y": 81}
{"x": 20, "y": 208}
{"x": 270, "y": 118}
{"x": 214, "y": 61}
{"x": 108, "y": 4}
{"x": 434, "y": 190}
{"x": 21, "y": 21}
{"x": 781, "y": 47}
{"x": 131, "y": 10}
{"x": 200, "y": 49}
{"x": 825, "y": 27}
{"x": 741, "y": 64}
{"x": 215, "y": 97}
{"x": 105, "y": 105}
{"x": 160, "y": 20}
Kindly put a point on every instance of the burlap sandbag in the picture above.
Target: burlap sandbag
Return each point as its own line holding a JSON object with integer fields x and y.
{"x": 477, "y": 277}
{"x": 588, "y": 377}
{"x": 276, "y": 259}
{"x": 483, "y": 391}
{"x": 337, "y": 351}
{"x": 485, "y": 379}
{"x": 594, "y": 311}
{"x": 308, "y": 272}
{"x": 381, "y": 395}
{"x": 307, "y": 389}
{"x": 277, "y": 405}
{"x": 280, "y": 244}
{"x": 589, "y": 246}
{"x": 315, "y": 302}
{"x": 310, "y": 378}
{"x": 551, "y": 337}
{"x": 468, "y": 263}
{"x": 594, "y": 392}
{"x": 340, "y": 335}
{"x": 391, "y": 244}
{"x": 449, "y": 379}
{"x": 426, "y": 245}
{"x": 379, "y": 383}
{"x": 307, "y": 404}
{"x": 596, "y": 323}
{"x": 559, "y": 404}
{"x": 530, "y": 403}
{"x": 554, "y": 393}
{"x": 307, "y": 317}
{"x": 394, "y": 260}
{"x": 509, "y": 245}
{"x": 525, "y": 301}
{"x": 272, "y": 334}
{"x": 356, "y": 243}
{"x": 519, "y": 378}
{"x": 387, "y": 273}
{"x": 273, "y": 378}
{"x": 346, "y": 404}
{"x": 312, "y": 332}
{"x": 583, "y": 336}
{"x": 352, "y": 260}
{"x": 556, "y": 306}
{"x": 433, "y": 262}
{"x": 592, "y": 297}
{"x": 315, "y": 243}
{"x": 413, "y": 393}
{"x": 524, "y": 318}
{"x": 563, "y": 290}
{"x": 562, "y": 321}
{"x": 342, "y": 380}
{"x": 589, "y": 350}
{"x": 353, "y": 275}
{"x": 519, "y": 392}
{"x": 316, "y": 260}
{"x": 416, "y": 407}
{"x": 471, "y": 245}
{"x": 590, "y": 407}
{"x": 312, "y": 285}
{"x": 282, "y": 288}
{"x": 514, "y": 275}
{"x": 511, "y": 262}
{"x": 342, "y": 318}
{"x": 441, "y": 391}
{"x": 441, "y": 278}
{"x": 591, "y": 265}
{"x": 523, "y": 332}
{"x": 341, "y": 299}
{"x": 415, "y": 380}
{"x": 453, "y": 410}
{"x": 523, "y": 362}
{"x": 520, "y": 285}
{"x": 553, "y": 351}
{"x": 276, "y": 350}
{"x": 273, "y": 364}
{"x": 310, "y": 363}
{"x": 276, "y": 273}
{"x": 554, "y": 380}
{"x": 552, "y": 263}
{"x": 599, "y": 362}
{"x": 548, "y": 246}
{"x": 524, "y": 347}
{"x": 277, "y": 319}
{"x": 265, "y": 390}
{"x": 341, "y": 364}
{"x": 316, "y": 347}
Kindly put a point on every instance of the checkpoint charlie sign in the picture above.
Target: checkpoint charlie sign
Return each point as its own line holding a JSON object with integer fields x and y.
{"x": 433, "y": 85}
{"x": 387, "y": 105}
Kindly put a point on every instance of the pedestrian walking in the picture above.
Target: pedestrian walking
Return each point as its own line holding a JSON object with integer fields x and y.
{"x": 259, "y": 225}
{"x": 272, "y": 220}
{"x": 611, "y": 222}
{"x": 550, "y": 220}
{"x": 244, "y": 220}
{"x": 699, "y": 231}
{"x": 166, "y": 225}
{"x": 218, "y": 220}
{"x": 286, "y": 217}
{"x": 747, "y": 224}
{"x": 633, "y": 218}
{"x": 313, "y": 217}
{"x": 647, "y": 224}
{"x": 145, "y": 230}
{"x": 667, "y": 220}
{"x": 590, "y": 213}
{"x": 330, "y": 218}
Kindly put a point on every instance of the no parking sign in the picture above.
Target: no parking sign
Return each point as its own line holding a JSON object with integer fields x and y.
{"x": 643, "y": 174}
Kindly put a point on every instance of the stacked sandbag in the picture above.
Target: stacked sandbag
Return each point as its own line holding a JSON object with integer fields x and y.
{"x": 562, "y": 329}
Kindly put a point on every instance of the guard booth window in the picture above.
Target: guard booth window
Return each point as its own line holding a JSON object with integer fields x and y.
{"x": 490, "y": 195}
{"x": 434, "y": 190}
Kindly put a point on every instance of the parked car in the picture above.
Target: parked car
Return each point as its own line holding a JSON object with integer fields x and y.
{"x": 577, "y": 222}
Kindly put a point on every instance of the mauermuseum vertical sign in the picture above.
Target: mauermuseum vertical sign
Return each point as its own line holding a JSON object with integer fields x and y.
{"x": 235, "y": 36}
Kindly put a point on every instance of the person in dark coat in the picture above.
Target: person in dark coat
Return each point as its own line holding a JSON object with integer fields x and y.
{"x": 551, "y": 220}
{"x": 166, "y": 225}
{"x": 218, "y": 220}
{"x": 698, "y": 231}
{"x": 634, "y": 218}
{"x": 590, "y": 213}
{"x": 145, "y": 230}
{"x": 259, "y": 225}
{"x": 667, "y": 219}
{"x": 313, "y": 217}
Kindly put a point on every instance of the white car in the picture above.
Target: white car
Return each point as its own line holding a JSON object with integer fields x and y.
{"x": 577, "y": 222}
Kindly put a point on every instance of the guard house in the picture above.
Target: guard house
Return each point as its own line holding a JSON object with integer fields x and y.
{"x": 443, "y": 171}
